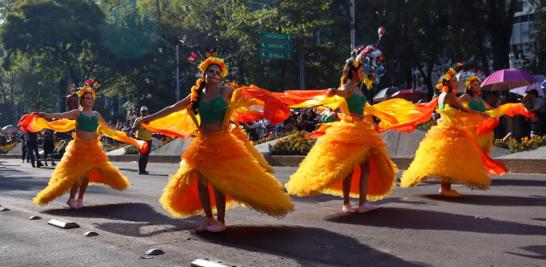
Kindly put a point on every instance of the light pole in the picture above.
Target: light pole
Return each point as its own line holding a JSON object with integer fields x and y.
{"x": 352, "y": 12}
{"x": 177, "y": 57}
{"x": 177, "y": 74}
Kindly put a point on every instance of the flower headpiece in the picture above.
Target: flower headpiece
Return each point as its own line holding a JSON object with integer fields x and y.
{"x": 89, "y": 87}
{"x": 471, "y": 79}
{"x": 447, "y": 77}
{"x": 216, "y": 61}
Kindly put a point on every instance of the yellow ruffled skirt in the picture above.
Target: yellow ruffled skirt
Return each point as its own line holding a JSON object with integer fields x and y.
{"x": 82, "y": 158}
{"x": 450, "y": 153}
{"x": 241, "y": 134}
{"x": 224, "y": 162}
{"x": 337, "y": 154}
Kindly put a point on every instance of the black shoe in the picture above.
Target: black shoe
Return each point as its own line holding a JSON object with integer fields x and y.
{"x": 143, "y": 172}
{"x": 40, "y": 164}
{"x": 53, "y": 164}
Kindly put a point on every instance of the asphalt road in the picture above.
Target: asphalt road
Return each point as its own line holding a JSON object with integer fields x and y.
{"x": 503, "y": 226}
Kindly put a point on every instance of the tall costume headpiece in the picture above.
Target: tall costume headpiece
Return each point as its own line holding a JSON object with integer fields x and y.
{"x": 370, "y": 60}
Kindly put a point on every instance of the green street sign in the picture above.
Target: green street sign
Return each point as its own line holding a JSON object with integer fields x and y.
{"x": 275, "y": 36}
{"x": 279, "y": 46}
{"x": 276, "y": 46}
{"x": 276, "y": 55}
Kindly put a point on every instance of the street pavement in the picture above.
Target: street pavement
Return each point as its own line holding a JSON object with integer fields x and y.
{"x": 503, "y": 226}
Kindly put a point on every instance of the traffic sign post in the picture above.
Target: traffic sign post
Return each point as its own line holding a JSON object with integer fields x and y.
{"x": 276, "y": 46}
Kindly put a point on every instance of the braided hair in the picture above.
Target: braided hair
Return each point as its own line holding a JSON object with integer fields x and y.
{"x": 196, "y": 92}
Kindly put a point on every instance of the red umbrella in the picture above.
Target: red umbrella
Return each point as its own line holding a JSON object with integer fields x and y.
{"x": 410, "y": 95}
{"x": 507, "y": 79}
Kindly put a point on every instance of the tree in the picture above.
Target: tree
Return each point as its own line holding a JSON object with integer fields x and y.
{"x": 58, "y": 36}
{"x": 500, "y": 20}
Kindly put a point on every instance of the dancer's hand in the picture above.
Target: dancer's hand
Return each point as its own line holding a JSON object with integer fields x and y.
{"x": 332, "y": 92}
{"x": 40, "y": 114}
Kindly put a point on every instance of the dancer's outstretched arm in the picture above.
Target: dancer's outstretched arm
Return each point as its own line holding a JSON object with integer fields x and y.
{"x": 343, "y": 91}
{"x": 182, "y": 104}
{"x": 71, "y": 115}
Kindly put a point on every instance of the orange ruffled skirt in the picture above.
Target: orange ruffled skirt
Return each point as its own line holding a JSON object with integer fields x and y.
{"x": 337, "y": 154}
{"x": 450, "y": 153}
{"x": 241, "y": 134}
{"x": 82, "y": 158}
{"x": 225, "y": 164}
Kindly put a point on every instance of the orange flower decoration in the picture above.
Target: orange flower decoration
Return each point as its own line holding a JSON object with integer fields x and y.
{"x": 471, "y": 79}
{"x": 85, "y": 90}
{"x": 216, "y": 61}
{"x": 449, "y": 74}
{"x": 89, "y": 87}
{"x": 447, "y": 77}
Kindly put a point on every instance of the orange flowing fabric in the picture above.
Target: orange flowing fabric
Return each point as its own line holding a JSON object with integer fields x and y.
{"x": 33, "y": 123}
{"x": 250, "y": 103}
{"x": 177, "y": 124}
{"x": 511, "y": 109}
{"x": 247, "y": 104}
{"x": 395, "y": 114}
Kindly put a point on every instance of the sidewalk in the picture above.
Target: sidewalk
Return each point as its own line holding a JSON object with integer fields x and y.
{"x": 401, "y": 147}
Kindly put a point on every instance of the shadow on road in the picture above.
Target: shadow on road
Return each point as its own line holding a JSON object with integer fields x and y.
{"x": 12, "y": 180}
{"x": 143, "y": 219}
{"x": 312, "y": 244}
{"x": 136, "y": 171}
{"x": 538, "y": 251}
{"x": 489, "y": 200}
{"x": 404, "y": 200}
{"x": 517, "y": 182}
{"x": 401, "y": 218}
{"x": 315, "y": 199}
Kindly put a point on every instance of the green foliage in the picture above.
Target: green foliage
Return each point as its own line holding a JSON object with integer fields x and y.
{"x": 6, "y": 148}
{"x": 129, "y": 46}
{"x": 131, "y": 150}
{"x": 294, "y": 144}
{"x": 526, "y": 143}
{"x": 273, "y": 137}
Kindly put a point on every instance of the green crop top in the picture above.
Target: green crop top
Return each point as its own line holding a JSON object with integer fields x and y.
{"x": 87, "y": 123}
{"x": 213, "y": 111}
{"x": 477, "y": 105}
{"x": 356, "y": 103}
